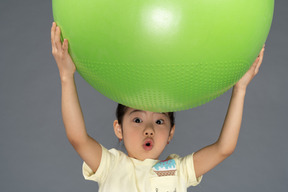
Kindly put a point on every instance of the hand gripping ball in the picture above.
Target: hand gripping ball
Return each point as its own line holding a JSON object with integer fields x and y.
{"x": 163, "y": 55}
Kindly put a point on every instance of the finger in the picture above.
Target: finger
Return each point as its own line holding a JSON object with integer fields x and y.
{"x": 261, "y": 56}
{"x": 65, "y": 46}
{"x": 254, "y": 65}
{"x": 256, "y": 61}
{"x": 260, "y": 61}
{"x": 261, "y": 53}
{"x": 257, "y": 68}
{"x": 57, "y": 38}
{"x": 263, "y": 48}
{"x": 53, "y": 35}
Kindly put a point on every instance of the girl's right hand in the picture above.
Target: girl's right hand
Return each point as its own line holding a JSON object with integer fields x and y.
{"x": 64, "y": 61}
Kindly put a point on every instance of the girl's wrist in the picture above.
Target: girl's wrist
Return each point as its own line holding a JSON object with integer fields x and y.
{"x": 239, "y": 90}
{"x": 66, "y": 77}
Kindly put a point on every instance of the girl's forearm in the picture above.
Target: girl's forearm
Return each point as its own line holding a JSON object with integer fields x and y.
{"x": 231, "y": 127}
{"x": 71, "y": 111}
{"x": 208, "y": 157}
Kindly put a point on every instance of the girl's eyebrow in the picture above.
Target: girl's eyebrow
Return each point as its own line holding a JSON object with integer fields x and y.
{"x": 164, "y": 114}
{"x": 137, "y": 110}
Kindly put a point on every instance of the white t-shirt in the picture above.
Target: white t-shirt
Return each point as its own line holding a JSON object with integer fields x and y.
{"x": 117, "y": 173}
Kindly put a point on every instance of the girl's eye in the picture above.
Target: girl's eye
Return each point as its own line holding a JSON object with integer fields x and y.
{"x": 137, "y": 120}
{"x": 159, "y": 121}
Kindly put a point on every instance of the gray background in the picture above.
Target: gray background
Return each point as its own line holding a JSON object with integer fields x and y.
{"x": 36, "y": 156}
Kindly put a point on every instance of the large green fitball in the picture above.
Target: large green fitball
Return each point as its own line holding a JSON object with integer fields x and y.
{"x": 163, "y": 55}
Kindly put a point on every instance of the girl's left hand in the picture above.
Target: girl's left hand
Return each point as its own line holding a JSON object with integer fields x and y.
{"x": 250, "y": 74}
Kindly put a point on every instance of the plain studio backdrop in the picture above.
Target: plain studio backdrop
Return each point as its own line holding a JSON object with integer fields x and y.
{"x": 35, "y": 154}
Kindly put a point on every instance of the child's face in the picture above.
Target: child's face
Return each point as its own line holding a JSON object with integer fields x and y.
{"x": 145, "y": 134}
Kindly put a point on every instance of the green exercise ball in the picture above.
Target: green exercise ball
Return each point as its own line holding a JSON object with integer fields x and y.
{"x": 163, "y": 55}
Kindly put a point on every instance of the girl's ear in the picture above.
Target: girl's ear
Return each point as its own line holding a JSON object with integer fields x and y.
{"x": 171, "y": 133}
{"x": 117, "y": 129}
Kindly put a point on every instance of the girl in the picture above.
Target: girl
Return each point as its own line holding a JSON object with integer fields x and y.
{"x": 145, "y": 135}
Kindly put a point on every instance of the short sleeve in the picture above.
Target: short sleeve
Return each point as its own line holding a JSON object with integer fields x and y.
{"x": 106, "y": 164}
{"x": 187, "y": 171}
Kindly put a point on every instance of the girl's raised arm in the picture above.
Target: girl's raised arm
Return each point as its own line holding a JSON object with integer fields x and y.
{"x": 210, "y": 156}
{"x": 88, "y": 149}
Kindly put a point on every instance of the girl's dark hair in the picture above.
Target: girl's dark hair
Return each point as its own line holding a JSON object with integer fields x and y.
{"x": 121, "y": 110}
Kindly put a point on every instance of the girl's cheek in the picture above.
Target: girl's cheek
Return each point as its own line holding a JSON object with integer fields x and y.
{"x": 166, "y": 132}
{"x": 132, "y": 132}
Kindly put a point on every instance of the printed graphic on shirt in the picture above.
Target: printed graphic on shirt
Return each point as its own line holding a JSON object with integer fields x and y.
{"x": 165, "y": 168}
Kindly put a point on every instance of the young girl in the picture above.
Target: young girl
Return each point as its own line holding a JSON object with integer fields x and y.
{"x": 145, "y": 135}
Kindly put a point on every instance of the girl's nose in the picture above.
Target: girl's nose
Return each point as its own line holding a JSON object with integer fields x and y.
{"x": 149, "y": 131}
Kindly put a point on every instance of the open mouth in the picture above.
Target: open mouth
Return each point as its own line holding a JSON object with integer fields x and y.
{"x": 148, "y": 144}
